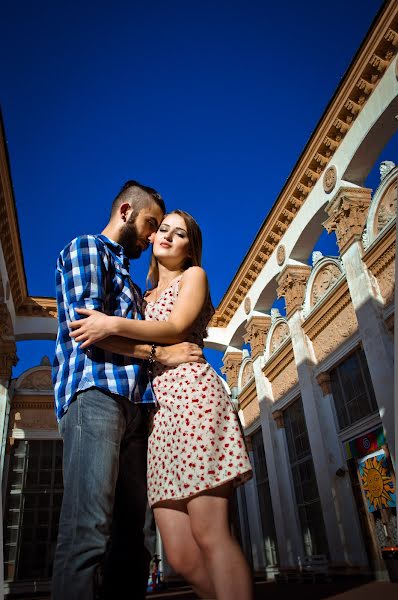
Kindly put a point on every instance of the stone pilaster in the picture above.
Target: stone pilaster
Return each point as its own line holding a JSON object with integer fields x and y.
{"x": 292, "y": 282}
{"x": 232, "y": 362}
{"x": 256, "y": 333}
{"x": 347, "y": 215}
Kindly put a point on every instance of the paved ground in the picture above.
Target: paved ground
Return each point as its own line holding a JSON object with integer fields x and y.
{"x": 269, "y": 590}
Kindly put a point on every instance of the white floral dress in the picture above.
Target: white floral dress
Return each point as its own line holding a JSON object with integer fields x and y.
{"x": 196, "y": 442}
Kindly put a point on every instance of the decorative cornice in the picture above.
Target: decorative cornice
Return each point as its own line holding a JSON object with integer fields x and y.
{"x": 38, "y": 307}
{"x": 248, "y": 394}
{"x": 9, "y": 229}
{"x": 279, "y": 361}
{"x": 326, "y": 311}
{"x": 33, "y": 405}
{"x": 381, "y": 252}
{"x": 375, "y": 55}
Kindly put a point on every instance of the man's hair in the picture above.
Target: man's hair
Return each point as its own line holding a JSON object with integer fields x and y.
{"x": 138, "y": 195}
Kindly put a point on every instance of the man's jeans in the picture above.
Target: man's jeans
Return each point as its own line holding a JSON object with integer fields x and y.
{"x": 101, "y": 541}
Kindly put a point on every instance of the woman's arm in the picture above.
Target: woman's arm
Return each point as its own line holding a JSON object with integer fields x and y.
{"x": 191, "y": 298}
{"x": 170, "y": 356}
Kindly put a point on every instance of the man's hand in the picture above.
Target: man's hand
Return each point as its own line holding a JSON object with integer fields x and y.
{"x": 174, "y": 355}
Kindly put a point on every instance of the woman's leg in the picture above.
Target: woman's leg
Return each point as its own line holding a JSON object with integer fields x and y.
{"x": 182, "y": 552}
{"x": 227, "y": 566}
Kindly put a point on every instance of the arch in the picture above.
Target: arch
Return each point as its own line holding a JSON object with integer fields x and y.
{"x": 277, "y": 335}
{"x": 383, "y": 208}
{"x": 37, "y": 379}
{"x": 246, "y": 372}
{"x": 326, "y": 272}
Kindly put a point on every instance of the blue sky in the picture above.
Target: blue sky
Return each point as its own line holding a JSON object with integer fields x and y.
{"x": 211, "y": 103}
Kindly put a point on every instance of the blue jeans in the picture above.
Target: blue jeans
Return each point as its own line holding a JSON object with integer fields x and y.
{"x": 100, "y": 548}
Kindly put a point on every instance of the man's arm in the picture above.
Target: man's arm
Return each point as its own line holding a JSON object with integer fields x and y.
{"x": 170, "y": 356}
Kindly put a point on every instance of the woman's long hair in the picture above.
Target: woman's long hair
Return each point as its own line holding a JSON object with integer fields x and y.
{"x": 194, "y": 258}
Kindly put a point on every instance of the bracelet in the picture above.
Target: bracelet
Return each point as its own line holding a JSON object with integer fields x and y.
{"x": 151, "y": 357}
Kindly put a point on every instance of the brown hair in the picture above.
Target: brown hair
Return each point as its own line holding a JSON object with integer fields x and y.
{"x": 138, "y": 195}
{"x": 194, "y": 258}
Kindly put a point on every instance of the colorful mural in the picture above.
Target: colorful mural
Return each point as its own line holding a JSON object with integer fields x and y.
{"x": 377, "y": 482}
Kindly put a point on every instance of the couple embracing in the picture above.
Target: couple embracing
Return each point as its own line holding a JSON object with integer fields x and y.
{"x": 143, "y": 417}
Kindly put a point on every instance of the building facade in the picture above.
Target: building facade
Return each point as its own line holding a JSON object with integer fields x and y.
{"x": 315, "y": 385}
{"x": 314, "y": 381}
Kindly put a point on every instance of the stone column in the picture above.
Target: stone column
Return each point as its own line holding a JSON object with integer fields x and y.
{"x": 274, "y": 440}
{"x": 340, "y": 484}
{"x": 292, "y": 283}
{"x": 254, "y": 520}
{"x": 347, "y": 216}
{"x": 232, "y": 360}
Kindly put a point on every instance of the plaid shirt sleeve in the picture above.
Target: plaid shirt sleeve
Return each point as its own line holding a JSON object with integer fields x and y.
{"x": 83, "y": 275}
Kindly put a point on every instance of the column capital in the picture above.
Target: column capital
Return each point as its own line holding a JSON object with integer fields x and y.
{"x": 232, "y": 362}
{"x": 257, "y": 328}
{"x": 347, "y": 212}
{"x": 8, "y": 359}
{"x": 277, "y": 415}
{"x": 324, "y": 382}
{"x": 291, "y": 284}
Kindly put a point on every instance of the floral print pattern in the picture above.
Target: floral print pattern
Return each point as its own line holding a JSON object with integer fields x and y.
{"x": 197, "y": 441}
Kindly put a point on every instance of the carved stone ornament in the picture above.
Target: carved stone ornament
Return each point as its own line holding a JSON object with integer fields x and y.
{"x": 280, "y": 254}
{"x": 347, "y": 215}
{"x": 232, "y": 362}
{"x": 8, "y": 359}
{"x": 325, "y": 383}
{"x": 387, "y": 209}
{"x": 247, "y": 373}
{"x": 279, "y": 335}
{"x": 247, "y": 305}
{"x": 6, "y": 328}
{"x": 329, "y": 179}
{"x": 38, "y": 380}
{"x": 256, "y": 334}
{"x": 277, "y": 415}
{"x": 291, "y": 284}
{"x": 323, "y": 281}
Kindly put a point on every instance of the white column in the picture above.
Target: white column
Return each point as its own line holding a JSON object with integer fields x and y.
{"x": 377, "y": 342}
{"x": 347, "y": 216}
{"x": 284, "y": 509}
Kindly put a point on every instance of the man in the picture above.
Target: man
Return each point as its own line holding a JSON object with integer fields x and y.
{"x": 102, "y": 400}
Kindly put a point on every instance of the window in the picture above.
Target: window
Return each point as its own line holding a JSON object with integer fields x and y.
{"x": 32, "y": 509}
{"x": 304, "y": 481}
{"x": 352, "y": 389}
{"x": 264, "y": 499}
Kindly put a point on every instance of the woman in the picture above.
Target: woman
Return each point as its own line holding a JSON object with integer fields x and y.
{"x": 196, "y": 451}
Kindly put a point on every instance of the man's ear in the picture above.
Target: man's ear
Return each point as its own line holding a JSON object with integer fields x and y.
{"x": 123, "y": 210}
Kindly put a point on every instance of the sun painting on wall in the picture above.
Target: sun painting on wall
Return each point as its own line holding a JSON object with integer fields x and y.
{"x": 377, "y": 482}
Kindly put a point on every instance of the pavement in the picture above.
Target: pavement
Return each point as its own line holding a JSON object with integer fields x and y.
{"x": 346, "y": 589}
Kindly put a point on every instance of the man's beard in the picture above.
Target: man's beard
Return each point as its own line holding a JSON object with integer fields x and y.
{"x": 129, "y": 237}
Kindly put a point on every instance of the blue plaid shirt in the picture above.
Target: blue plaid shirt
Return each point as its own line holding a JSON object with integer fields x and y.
{"x": 93, "y": 272}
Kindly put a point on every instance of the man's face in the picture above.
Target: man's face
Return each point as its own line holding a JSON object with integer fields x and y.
{"x": 139, "y": 229}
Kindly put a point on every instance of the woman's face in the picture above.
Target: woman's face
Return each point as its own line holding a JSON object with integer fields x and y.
{"x": 171, "y": 241}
